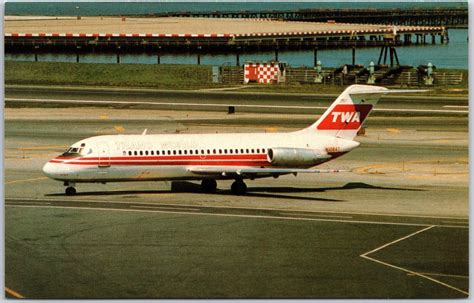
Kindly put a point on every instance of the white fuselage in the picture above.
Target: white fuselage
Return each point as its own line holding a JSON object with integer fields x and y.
{"x": 169, "y": 157}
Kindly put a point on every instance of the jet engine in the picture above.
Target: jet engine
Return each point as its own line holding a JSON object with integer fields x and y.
{"x": 296, "y": 157}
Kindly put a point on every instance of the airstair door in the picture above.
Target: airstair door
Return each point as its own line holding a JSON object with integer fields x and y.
{"x": 104, "y": 155}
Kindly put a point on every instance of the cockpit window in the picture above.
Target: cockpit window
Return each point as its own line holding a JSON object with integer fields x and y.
{"x": 77, "y": 151}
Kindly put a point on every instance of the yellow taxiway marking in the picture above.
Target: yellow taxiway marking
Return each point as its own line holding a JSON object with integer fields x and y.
{"x": 26, "y": 180}
{"x": 119, "y": 128}
{"x": 440, "y": 275}
{"x": 13, "y": 293}
{"x": 392, "y": 130}
{"x": 271, "y": 129}
{"x": 43, "y": 147}
{"x": 104, "y": 117}
{"x": 419, "y": 274}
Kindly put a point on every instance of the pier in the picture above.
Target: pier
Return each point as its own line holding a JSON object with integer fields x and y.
{"x": 156, "y": 35}
{"x": 449, "y": 17}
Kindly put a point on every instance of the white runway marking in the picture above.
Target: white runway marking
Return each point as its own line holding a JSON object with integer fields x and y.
{"x": 227, "y": 105}
{"x": 441, "y": 275}
{"x": 318, "y": 215}
{"x": 157, "y": 207}
{"x": 456, "y": 106}
{"x": 238, "y": 216}
{"x": 256, "y": 208}
{"x": 365, "y": 256}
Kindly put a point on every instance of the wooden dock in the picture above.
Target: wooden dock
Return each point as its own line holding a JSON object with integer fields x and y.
{"x": 203, "y": 34}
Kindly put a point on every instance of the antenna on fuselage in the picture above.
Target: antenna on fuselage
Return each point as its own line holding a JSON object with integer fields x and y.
{"x": 144, "y": 132}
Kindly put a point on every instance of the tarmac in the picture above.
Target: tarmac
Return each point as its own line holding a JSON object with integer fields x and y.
{"x": 394, "y": 226}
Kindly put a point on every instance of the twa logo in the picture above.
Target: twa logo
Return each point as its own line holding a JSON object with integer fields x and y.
{"x": 346, "y": 116}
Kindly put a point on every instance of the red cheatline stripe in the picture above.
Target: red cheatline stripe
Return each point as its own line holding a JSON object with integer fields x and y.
{"x": 173, "y": 163}
{"x": 237, "y": 157}
{"x": 179, "y": 157}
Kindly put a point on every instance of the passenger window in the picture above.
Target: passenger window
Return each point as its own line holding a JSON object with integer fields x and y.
{"x": 263, "y": 150}
{"x": 152, "y": 152}
{"x": 185, "y": 152}
{"x": 202, "y": 151}
{"x": 191, "y": 152}
{"x": 230, "y": 151}
{"x": 174, "y": 152}
{"x": 146, "y": 153}
{"x": 220, "y": 151}
{"x": 253, "y": 150}
{"x": 129, "y": 152}
{"x": 157, "y": 152}
{"x": 169, "y": 152}
{"x": 196, "y": 152}
{"x": 179, "y": 152}
{"x": 141, "y": 153}
{"x": 214, "y": 151}
{"x": 247, "y": 150}
{"x": 258, "y": 150}
{"x": 208, "y": 151}
{"x": 225, "y": 151}
{"x": 135, "y": 153}
{"x": 241, "y": 150}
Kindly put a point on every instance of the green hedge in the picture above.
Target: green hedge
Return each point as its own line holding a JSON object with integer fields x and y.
{"x": 121, "y": 75}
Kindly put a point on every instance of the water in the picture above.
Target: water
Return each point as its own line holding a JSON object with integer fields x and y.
{"x": 452, "y": 55}
{"x": 123, "y": 8}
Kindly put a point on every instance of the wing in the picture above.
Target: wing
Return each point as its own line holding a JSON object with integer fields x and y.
{"x": 226, "y": 171}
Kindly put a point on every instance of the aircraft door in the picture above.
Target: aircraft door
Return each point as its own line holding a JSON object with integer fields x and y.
{"x": 104, "y": 155}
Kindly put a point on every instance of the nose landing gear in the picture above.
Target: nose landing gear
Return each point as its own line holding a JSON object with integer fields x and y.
{"x": 70, "y": 190}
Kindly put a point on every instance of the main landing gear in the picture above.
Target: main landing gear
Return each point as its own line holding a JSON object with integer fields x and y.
{"x": 70, "y": 190}
{"x": 208, "y": 185}
{"x": 238, "y": 187}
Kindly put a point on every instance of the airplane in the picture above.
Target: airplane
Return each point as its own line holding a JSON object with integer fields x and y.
{"x": 223, "y": 156}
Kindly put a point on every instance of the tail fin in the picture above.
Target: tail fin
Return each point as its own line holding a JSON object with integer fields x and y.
{"x": 345, "y": 116}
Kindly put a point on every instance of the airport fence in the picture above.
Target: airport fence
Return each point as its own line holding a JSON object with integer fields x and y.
{"x": 384, "y": 75}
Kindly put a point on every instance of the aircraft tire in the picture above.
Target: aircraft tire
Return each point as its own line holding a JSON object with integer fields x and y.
{"x": 70, "y": 191}
{"x": 239, "y": 188}
{"x": 208, "y": 185}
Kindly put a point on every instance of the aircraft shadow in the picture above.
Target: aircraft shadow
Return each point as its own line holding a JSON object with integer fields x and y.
{"x": 112, "y": 193}
{"x": 258, "y": 192}
{"x": 347, "y": 186}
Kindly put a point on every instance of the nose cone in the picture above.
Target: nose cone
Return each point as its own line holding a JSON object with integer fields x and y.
{"x": 53, "y": 170}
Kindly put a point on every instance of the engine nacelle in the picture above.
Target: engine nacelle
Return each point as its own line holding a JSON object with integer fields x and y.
{"x": 296, "y": 157}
